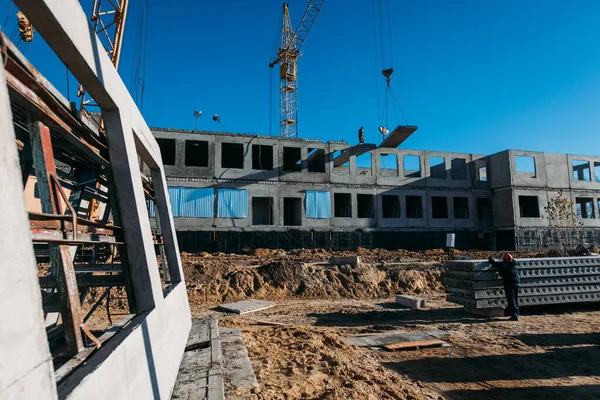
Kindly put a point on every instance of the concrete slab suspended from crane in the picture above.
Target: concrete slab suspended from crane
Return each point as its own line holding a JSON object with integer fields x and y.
{"x": 397, "y": 137}
{"x": 354, "y": 150}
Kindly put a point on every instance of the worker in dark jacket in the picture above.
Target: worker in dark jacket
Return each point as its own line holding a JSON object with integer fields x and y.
{"x": 507, "y": 269}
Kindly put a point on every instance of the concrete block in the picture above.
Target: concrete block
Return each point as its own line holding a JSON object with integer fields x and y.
{"x": 349, "y": 260}
{"x": 237, "y": 368}
{"x": 411, "y": 301}
{"x": 246, "y": 306}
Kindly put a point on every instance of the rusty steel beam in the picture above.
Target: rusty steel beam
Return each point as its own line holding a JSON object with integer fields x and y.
{"x": 45, "y": 113}
{"x": 33, "y": 216}
{"x": 60, "y": 255}
{"x": 59, "y": 225}
{"x": 59, "y": 236}
{"x": 85, "y": 281}
{"x": 65, "y": 113}
{"x": 22, "y": 61}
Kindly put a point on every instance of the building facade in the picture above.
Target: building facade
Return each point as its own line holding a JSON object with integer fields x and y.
{"x": 231, "y": 191}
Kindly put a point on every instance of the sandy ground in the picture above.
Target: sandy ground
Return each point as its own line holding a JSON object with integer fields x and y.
{"x": 551, "y": 353}
{"x": 548, "y": 354}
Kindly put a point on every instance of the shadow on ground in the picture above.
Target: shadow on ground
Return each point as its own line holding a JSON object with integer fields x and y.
{"x": 560, "y": 339}
{"x": 587, "y": 392}
{"x": 473, "y": 376}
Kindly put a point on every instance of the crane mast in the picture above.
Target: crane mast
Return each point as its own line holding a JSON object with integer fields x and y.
{"x": 108, "y": 21}
{"x": 287, "y": 58}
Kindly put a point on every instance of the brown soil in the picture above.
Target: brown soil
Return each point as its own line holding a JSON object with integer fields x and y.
{"x": 299, "y": 362}
{"x": 552, "y": 353}
{"x": 275, "y": 274}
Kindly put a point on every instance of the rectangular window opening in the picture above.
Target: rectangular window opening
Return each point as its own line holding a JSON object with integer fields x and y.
{"x": 461, "y": 208}
{"x": 390, "y": 206}
{"x": 529, "y": 207}
{"x": 458, "y": 169}
{"x": 232, "y": 155}
{"x": 196, "y": 153}
{"x": 482, "y": 174}
{"x": 484, "y": 209}
{"x": 597, "y": 171}
{"x": 412, "y": 166}
{"x": 364, "y": 164}
{"x": 262, "y": 157}
{"x": 262, "y": 211}
{"x": 292, "y": 159}
{"x": 341, "y": 162}
{"x": 439, "y": 207}
{"x": 292, "y": 211}
{"x": 525, "y": 165}
{"x": 316, "y": 160}
{"x": 437, "y": 167}
{"x": 581, "y": 170}
{"x": 388, "y": 162}
{"x": 167, "y": 150}
{"x": 366, "y": 205}
{"x": 414, "y": 207}
{"x": 584, "y": 207}
{"x": 342, "y": 203}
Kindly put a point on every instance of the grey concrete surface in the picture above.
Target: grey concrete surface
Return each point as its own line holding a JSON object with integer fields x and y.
{"x": 26, "y": 370}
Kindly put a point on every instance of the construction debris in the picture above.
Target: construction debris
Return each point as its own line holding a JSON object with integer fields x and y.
{"x": 345, "y": 260}
{"x": 246, "y": 306}
{"x": 413, "y": 302}
{"x": 394, "y": 337}
{"x": 414, "y": 344}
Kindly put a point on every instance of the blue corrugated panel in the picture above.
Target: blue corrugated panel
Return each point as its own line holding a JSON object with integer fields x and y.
{"x": 232, "y": 203}
{"x": 151, "y": 211}
{"x": 192, "y": 202}
{"x": 318, "y": 204}
{"x": 189, "y": 202}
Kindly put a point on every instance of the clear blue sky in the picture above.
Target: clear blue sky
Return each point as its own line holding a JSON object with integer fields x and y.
{"x": 476, "y": 76}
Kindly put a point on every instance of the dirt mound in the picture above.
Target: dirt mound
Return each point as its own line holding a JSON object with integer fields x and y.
{"x": 300, "y": 363}
{"x": 229, "y": 281}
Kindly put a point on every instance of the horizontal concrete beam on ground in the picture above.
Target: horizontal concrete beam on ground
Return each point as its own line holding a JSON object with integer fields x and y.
{"x": 523, "y": 291}
{"x": 483, "y": 265}
{"x": 540, "y": 281}
{"x": 527, "y": 301}
{"x": 525, "y": 273}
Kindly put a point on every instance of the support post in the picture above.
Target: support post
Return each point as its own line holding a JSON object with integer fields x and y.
{"x": 60, "y": 255}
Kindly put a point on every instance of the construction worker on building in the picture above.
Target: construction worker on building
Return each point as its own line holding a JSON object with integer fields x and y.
{"x": 507, "y": 269}
{"x": 361, "y": 135}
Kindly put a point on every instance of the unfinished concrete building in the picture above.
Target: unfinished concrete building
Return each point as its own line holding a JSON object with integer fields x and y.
{"x": 231, "y": 191}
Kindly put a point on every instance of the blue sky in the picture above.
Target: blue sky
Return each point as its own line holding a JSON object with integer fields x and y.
{"x": 476, "y": 76}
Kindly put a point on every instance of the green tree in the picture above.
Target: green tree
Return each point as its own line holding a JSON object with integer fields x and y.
{"x": 563, "y": 219}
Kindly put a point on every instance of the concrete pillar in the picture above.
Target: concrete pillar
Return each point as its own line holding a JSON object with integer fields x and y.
{"x": 26, "y": 370}
{"x": 134, "y": 215}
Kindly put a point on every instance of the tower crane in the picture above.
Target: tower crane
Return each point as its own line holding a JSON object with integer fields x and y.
{"x": 287, "y": 58}
{"x": 105, "y": 18}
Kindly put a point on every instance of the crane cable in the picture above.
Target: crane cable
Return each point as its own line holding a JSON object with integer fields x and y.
{"x": 137, "y": 83}
{"x": 389, "y": 95}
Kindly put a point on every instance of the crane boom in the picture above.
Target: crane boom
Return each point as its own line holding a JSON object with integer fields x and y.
{"x": 307, "y": 21}
{"x": 287, "y": 57}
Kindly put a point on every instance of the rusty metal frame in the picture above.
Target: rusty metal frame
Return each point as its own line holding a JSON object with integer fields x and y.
{"x": 60, "y": 254}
